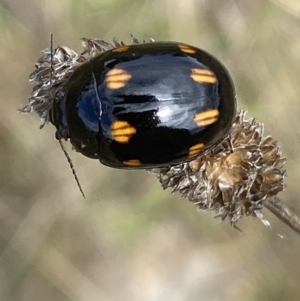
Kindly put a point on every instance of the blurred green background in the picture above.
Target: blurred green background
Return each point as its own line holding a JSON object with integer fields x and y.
{"x": 129, "y": 239}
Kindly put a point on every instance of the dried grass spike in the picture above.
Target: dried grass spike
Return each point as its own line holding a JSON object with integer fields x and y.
{"x": 234, "y": 178}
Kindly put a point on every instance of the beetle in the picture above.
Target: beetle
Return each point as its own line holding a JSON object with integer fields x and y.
{"x": 146, "y": 105}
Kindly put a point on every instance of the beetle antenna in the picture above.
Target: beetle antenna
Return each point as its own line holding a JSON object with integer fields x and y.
{"x": 51, "y": 60}
{"x": 51, "y": 97}
{"x": 72, "y": 166}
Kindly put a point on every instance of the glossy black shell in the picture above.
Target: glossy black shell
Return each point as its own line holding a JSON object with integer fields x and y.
{"x": 146, "y": 105}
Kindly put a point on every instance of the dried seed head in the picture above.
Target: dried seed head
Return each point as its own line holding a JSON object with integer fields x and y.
{"x": 234, "y": 178}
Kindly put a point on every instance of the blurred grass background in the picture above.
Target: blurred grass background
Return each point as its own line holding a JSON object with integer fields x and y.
{"x": 130, "y": 240}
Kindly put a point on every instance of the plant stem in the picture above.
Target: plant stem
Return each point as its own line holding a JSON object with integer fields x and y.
{"x": 283, "y": 212}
